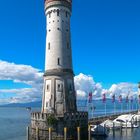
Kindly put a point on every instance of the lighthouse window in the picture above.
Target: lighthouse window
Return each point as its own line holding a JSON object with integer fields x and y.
{"x": 57, "y": 12}
{"x": 60, "y": 87}
{"x": 48, "y": 87}
{"x": 68, "y": 46}
{"x": 49, "y": 15}
{"x": 70, "y": 87}
{"x": 48, "y": 46}
{"x": 58, "y": 61}
{"x": 66, "y": 14}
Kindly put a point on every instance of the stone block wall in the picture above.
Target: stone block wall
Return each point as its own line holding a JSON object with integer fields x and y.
{"x": 39, "y": 126}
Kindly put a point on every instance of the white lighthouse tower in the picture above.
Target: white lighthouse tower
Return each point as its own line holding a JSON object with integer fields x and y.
{"x": 59, "y": 108}
{"x": 59, "y": 92}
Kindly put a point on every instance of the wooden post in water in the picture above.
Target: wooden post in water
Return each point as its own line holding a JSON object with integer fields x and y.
{"x": 104, "y": 128}
{"x": 126, "y": 124}
{"x": 113, "y": 129}
{"x": 27, "y": 129}
{"x": 89, "y": 132}
{"x": 78, "y": 133}
{"x": 50, "y": 133}
{"x": 37, "y": 133}
{"x": 65, "y": 133}
{"x": 121, "y": 126}
{"x": 121, "y": 129}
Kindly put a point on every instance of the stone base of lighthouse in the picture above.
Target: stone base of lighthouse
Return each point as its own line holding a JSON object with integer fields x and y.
{"x": 62, "y": 128}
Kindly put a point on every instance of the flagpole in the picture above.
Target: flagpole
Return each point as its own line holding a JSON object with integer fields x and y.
{"x": 114, "y": 108}
{"x": 137, "y": 104}
{"x": 129, "y": 106}
{"x": 121, "y": 107}
{"x": 92, "y": 112}
{"x": 92, "y": 109}
{"x": 121, "y": 101}
{"x": 104, "y": 101}
{"x": 105, "y": 108}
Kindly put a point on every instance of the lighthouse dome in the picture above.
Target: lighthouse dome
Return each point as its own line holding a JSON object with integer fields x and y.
{"x": 66, "y": 3}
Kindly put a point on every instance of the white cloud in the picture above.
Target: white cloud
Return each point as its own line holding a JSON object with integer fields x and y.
{"x": 21, "y": 74}
{"x": 85, "y": 84}
{"x": 124, "y": 89}
{"x": 34, "y": 78}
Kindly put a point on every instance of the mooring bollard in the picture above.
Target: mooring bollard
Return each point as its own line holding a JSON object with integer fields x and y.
{"x": 27, "y": 129}
{"x": 50, "y": 133}
{"x": 89, "y": 132}
{"x": 37, "y": 133}
{"x": 78, "y": 133}
{"x": 65, "y": 133}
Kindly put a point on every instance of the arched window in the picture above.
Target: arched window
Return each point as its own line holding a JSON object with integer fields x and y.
{"x": 57, "y": 12}
{"x": 58, "y": 61}
{"x": 49, "y": 46}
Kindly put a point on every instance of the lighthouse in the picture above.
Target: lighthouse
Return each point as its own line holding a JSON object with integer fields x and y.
{"x": 59, "y": 111}
{"x": 59, "y": 92}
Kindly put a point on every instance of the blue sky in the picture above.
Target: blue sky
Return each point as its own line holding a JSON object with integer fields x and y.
{"x": 105, "y": 37}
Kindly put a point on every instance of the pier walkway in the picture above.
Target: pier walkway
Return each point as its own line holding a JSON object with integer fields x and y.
{"x": 100, "y": 119}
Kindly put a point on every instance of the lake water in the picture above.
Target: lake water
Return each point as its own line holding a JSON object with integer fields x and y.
{"x": 125, "y": 134}
{"x": 13, "y": 123}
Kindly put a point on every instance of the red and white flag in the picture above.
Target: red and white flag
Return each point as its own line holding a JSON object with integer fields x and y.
{"x": 90, "y": 97}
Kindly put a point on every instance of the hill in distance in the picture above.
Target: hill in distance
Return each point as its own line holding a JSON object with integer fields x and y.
{"x": 31, "y": 104}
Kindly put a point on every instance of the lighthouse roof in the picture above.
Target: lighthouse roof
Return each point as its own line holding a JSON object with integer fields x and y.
{"x": 48, "y": 1}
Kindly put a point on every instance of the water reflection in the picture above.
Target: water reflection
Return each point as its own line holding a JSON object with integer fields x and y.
{"x": 123, "y": 134}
